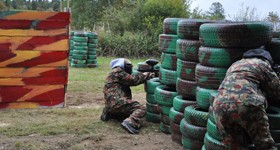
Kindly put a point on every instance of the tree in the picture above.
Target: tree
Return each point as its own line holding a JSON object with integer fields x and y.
{"x": 197, "y": 13}
{"x": 8, "y": 4}
{"x": 247, "y": 14}
{"x": 55, "y": 5}
{"x": 2, "y": 6}
{"x": 216, "y": 11}
{"x": 273, "y": 17}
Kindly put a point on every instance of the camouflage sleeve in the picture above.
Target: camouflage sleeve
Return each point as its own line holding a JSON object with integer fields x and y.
{"x": 271, "y": 83}
{"x": 131, "y": 79}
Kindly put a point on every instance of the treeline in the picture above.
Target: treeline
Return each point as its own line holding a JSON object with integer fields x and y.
{"x": 38, "y": 5}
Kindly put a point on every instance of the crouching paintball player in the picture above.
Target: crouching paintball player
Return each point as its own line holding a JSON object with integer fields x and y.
{"x": 243, "y": 96}
{"x": 118, "y": 98}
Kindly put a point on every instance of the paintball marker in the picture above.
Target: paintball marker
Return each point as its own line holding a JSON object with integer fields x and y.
{"x": 149, "y": 65}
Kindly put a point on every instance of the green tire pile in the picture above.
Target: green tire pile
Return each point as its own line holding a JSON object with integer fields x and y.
{"x": 221, "y": 45}
{"x": 83, "y": 47}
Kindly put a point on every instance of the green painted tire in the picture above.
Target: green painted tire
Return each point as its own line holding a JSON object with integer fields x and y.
{"x": 92, "y": 35}
{"x": 192, "y": 131}
{"x": 247, "y": 34}
{"x": 154, "y": 118}
{"x": 80, "y": 43}
{"x": 189, "y": 28}
{"x": 187, "y": 50}
{"x": 196, "y": 116}
{"x": 170, "y": 25}
{"x": 186, "y": 69}
{"x": 168, "y": 61}
{"x": 80, "y": 39}
{"x": 78, "y": 65}
{"x": 219, "y": 57}
{"x": 203, "y": 97}
{"x": 91, "y": 52}
{"x": 167, "y": 77}
{"x": 80, "y": 57}
{"x": 164, "y": 95}
{"x": 152, "y": 108}
{"x": 213, "y": 130}
{"x": 273, "y": 114}
{"x": 164, "y": 109}
{"x": 80, "y": 34}
{"x": 274, "y": 48}
{"x": 90, "y": 45}
{"x": 77, "y": 61}
{"x": 80, "y": 52}
{"x": 93, "y": 41}
{"x": 82, "y": 48}
{"x": 191, "y": 144}
{"x": 179, "y": 104}
{"x": 164, "y": 128}
{"x": 175, "y": 128}
{"x": 177, "y": 138}
{"x": 167, "y": 43}
{"x": 150, "y": 98}
{"x": 186, "y": 88}
{"x": 92, "y": 56}
{"x": 72, "y": 33}
{"x": 213, "y": 144}
{"x": 209, "y": 77}
{"x": 175, "y": 116}
{"x": 151, "y": 84}
{"x": 164, "y": 119}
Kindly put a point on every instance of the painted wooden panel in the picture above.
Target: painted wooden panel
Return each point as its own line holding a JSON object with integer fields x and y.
{"x": 44, "y": 104}
{"x": 32, "y": 32}
{"x": 33, "y": 72}
{"x": 34, "y": 15}
{"x": 39, "y": 43}
{"x": 33, "y": 24}
{"x": 32, "y": 93}
{"x": 33, "y": 81}
{"x": 30, "y": 58}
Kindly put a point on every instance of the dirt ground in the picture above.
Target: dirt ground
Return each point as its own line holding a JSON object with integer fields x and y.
{"x": 154, "y": 140}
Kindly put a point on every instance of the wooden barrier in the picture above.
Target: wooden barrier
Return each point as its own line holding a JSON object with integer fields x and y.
{"x": 33, "y": 59}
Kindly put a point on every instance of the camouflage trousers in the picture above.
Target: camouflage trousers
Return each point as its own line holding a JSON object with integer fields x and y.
{"x": 131, "y": 111}
{"x": 241, "y": 126}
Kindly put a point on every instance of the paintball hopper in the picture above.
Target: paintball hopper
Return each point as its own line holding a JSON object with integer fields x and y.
{"x": 152, "y": 62}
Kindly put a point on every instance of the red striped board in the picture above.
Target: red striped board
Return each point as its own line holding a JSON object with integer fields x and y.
{"x": 35, "y": 15}
{"x": 32, "y": 93}
{"x": 21, "y": 105}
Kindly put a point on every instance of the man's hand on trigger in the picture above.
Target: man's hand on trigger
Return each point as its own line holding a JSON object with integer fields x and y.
{"x": 149, "y": 75}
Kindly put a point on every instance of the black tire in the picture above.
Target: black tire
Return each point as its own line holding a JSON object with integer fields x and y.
{"x": 203, "y": 97}
{"x": 186, "y": 69}
{"x": 164, "y": 95}
{"x": 179, "y": 104}
{"x": 192, "y": 131}
{"x": 273, "y": 114}
{"x": 165, "y": 119}
{"x": 187, "y": 50}
{"x": 168, "y": 61}
{"x": 152, "y": 108}
{"x": 168, "y": 77}
{"x": 247, "y": 34}
{"x": 196, "y": 116}
{"x": 167, "y": 43}
{"x": 275, "y": 135}
{"x": 209, "y": 77}
{"x": 151, "y": 84}
{"x": 186, "y": 88}
{"x": 219, "y": 57}
{"x": 175, "y": 116}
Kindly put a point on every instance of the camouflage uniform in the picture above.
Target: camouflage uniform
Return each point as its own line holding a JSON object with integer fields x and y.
{"x": 117, "y": 94}
{"x": 239, "y": 107}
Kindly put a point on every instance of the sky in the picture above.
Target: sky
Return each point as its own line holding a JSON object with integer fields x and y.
{"x": 232, "y": 7}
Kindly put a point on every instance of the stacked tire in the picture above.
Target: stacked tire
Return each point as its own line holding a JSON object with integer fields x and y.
{"x": 71, "y": 41}
{"x": 221, "y": 45}
{"x": 84, "y": 49}
{"x": 152, "y": 113}
{"x": 187, "y": 54}
{"x": 164, "y": 94}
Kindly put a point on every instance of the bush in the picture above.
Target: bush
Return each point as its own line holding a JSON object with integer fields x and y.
{"x": 129, "y": 45}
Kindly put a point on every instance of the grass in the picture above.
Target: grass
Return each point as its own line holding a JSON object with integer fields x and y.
{"x": 57, "y": 121}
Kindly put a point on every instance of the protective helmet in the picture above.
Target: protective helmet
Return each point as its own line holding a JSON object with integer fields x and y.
{"x": 258, "y": 53}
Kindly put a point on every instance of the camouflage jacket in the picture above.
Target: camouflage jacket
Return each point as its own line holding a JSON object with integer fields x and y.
{"x": 249, "y": 82}
{"x": 117, "y": 84}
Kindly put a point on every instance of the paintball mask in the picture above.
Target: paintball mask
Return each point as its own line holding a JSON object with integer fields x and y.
{"x": 128, "y": 66}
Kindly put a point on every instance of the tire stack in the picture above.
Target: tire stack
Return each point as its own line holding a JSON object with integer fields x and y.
{"x": 152, "y": 113}
{"x": 193, "y": 130}
{"x": 165, "y": 93}
{"x": 71, "y": 45}
{"x": 80, "y": 51}
{"x": 222, "y": 45}
{"x": 92, "y": 48}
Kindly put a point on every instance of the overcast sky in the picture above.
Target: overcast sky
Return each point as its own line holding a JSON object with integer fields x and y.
{"x": 232, "y": 7}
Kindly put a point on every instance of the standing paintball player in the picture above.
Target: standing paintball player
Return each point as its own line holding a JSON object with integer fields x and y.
{"x": 118, "y": 97}
{"x": 243, "y": 96}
